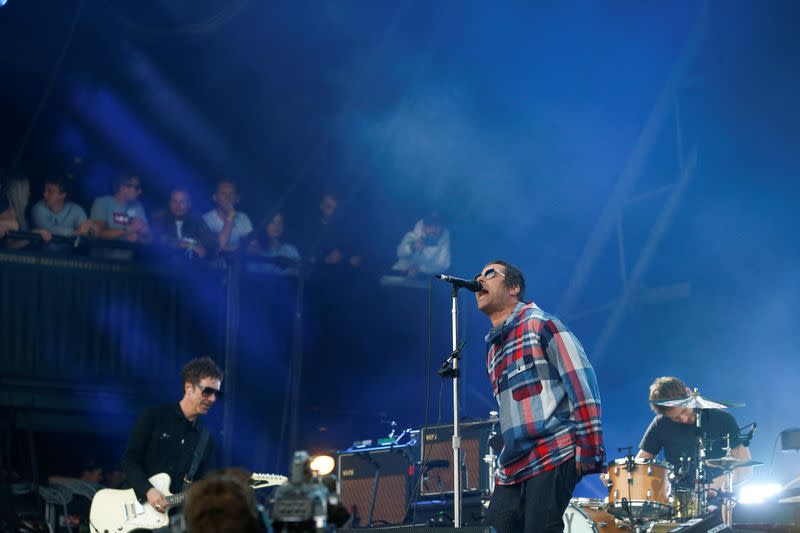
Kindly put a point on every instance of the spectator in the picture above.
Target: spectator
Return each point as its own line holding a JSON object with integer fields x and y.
{"x": 425, "y": 249}
{"x": 92, "y": 473}
{"x": 116, "y": 479}
{"x": 8, "y": 219}
{"x": 56, "y": 215}
{"x": 178, "y": 226}
{"x": 223, "y": 503}
{"x": 269, "y": 244}
{"x": 121, "y": 216}
{"x": 18, "y": 193}
{"x": 325, "y": 241}
{"x": 230, "y": 226}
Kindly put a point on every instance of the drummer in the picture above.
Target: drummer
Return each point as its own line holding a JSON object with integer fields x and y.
{"x": 674, "y": 430}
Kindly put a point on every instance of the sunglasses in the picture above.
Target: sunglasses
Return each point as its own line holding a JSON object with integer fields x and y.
{"x": 208, "y": 391}
{"x": 136, "y": 186}
{"x": 489, "y": 274}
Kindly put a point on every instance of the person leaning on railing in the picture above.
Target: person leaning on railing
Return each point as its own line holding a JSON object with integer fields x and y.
{"x": 12, "y": 212}
{"x": 56, "y": 216}
{"x": 121, "y": 216}
{"x": 8, "y": 220}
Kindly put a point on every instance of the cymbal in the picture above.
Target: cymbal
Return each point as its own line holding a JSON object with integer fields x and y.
{"x": 695, "y": 401}
{"x": 729, "y": 463}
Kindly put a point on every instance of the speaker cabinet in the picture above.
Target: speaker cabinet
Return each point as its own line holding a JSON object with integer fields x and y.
{"x": 790, "y": 440}
{"x": 437, "y": 453}
{"x": 392, "y": 484}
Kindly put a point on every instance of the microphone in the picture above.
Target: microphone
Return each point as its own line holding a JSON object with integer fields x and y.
{"x": 747, "y": 437}
{"x": 469, "y": 284}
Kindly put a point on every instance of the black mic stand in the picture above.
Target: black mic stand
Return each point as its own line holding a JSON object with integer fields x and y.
{"x": 453, "y": 372}
{"x": 375, "y": 481}
{"x": 700, "y": 473}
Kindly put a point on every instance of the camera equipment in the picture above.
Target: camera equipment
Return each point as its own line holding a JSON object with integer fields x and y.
{"x": 305, "y": 504}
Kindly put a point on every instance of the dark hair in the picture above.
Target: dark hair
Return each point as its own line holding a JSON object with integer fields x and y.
{"x": 179, "y": 188}
{"x": 666, "y": 388}
{"x": 91, "y": 465}
{"x": 199, "y": 368}
{"x": 513, "y": 277}
{"x": 223, "y": 502}
{"x": 226, "y": 180}
{"x": 123, "y": 178}
{"x": 59, "y": 181}
{"x": 260, "y": 234}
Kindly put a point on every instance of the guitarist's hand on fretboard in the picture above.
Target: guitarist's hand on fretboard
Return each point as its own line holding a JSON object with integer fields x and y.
{"x": 156, "y": 499}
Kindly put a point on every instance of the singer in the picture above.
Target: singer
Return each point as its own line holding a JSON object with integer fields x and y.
{"x": 549, "y": 406}
{"x": 673, "y": 429}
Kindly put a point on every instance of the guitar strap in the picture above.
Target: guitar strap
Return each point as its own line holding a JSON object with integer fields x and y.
{"x": 198, "y": 456}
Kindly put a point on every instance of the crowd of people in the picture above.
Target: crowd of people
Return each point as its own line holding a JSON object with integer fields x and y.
{"x": 56, "y": 223}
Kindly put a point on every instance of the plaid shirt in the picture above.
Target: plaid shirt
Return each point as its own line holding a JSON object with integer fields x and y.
{"x": 547, "y": 394}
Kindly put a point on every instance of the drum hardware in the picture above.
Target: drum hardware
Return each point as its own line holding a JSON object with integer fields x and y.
{"x": 691, "y": 505}
{"x": 728, "y": 464}
{"x": 639, "y": 489}
{"x": 698, "y": 404}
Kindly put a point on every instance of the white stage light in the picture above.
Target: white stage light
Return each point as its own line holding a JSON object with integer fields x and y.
{"x": 322, "y": 465}
{"x": 757, "y": 492}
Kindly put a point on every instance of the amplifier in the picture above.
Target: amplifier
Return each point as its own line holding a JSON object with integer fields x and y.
{"x": 437, "y": 452}
{"x": 790, "y": 439}
{"x": 386, "y": 471}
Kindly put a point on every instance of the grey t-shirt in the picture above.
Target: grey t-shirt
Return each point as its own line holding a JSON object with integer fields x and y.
{"x": 63, "y": 223}
{"x": 116, "y": 215}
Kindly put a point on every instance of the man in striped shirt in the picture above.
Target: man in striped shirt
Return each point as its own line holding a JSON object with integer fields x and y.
{"x": 549, "y": 406}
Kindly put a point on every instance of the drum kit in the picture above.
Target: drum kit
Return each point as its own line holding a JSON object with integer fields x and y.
{"x": 643, "y": 495}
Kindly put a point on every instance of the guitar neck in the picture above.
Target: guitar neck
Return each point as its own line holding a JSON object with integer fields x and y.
{"x": 257, "y": 481}
{"x": 175, "y": 499}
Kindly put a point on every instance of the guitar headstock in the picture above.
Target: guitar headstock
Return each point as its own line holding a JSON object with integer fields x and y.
{"x": 260, "y": 481}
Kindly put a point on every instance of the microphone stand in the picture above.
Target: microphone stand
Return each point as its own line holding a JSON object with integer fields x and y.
{"x": 454, "y": 373}
{"x": 699, "y": 495}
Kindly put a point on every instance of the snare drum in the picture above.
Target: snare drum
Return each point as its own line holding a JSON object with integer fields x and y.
{"x": 591, "y": 517}
{"x": 639, "y": 488}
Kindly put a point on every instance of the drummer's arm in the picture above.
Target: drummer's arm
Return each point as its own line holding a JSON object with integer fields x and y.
{"x": 645, "y": 455}
{"x": 740, "y": 474}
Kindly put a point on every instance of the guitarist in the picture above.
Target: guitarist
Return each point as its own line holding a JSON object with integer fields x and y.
{"x": 165, "y": 437}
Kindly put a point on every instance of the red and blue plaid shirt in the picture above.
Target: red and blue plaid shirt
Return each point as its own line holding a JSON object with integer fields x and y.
{"x": 547, "y": 393}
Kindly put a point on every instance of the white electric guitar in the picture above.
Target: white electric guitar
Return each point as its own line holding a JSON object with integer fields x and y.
{"x": 120, "y": 511}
